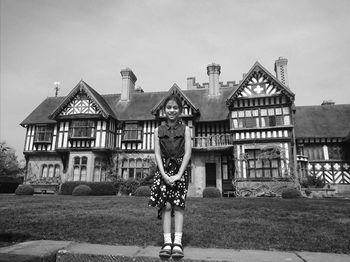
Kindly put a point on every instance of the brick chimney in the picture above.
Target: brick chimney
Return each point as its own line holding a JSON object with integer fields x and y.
{"x": 281, "y": 70}
{"x": 128, "y": 84}
{"x": 213, "y": 71}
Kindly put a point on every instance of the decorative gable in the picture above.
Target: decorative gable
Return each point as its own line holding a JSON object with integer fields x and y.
{"x": 81, "y": 104}
{"x": 82, "y": 100}
{"x": 189, "y": 109}
{"x": 259, "y": 82}
{"x": 259, "y": 85}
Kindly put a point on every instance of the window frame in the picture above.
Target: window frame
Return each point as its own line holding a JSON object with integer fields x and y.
{"x": 87, "y": 131}
{"x": 265, "y": 166}
{"x": 47, "y": 133}
{"x": 80, "y": 167}
{"x": 132, "y": 132}
{"x": 263, "y": 116}
{"x": 129, "y": 168}
{"x": 100, "y": 169}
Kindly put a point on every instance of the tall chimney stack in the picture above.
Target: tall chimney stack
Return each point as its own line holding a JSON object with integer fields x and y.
{"x": 213, "y": 71}
{"x": 128, "y": 84}
{"x": 281, "y": 70}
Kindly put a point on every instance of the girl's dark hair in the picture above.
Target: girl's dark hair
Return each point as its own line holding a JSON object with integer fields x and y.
{"x": 176, "y": 98}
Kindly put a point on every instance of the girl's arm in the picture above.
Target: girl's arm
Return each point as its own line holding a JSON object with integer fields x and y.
{"x": 187, "y": 155}
{"x": 159, "y": 157}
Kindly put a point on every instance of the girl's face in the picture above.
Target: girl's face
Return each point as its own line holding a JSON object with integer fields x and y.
{"x": 172, "y": 110}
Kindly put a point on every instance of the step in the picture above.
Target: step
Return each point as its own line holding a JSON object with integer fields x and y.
{"x": 66, "y": 251}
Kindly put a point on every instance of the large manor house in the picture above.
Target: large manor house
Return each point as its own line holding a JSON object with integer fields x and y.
{"x": 248, "y": 132}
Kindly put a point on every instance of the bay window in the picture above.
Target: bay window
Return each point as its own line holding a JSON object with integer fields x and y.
{"x": 82, "y": 129}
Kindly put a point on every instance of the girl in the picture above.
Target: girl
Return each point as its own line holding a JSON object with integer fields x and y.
{"x": 172, "y": 146}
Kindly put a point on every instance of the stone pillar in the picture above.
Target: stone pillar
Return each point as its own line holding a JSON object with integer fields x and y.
{"x": 128, "y": 84}
{"x": 213, "y": 71}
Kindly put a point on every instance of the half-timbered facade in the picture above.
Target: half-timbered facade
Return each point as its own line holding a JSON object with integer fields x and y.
{"x": 249, "y": 132}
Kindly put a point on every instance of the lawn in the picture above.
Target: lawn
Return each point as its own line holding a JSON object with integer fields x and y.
{"x": 261, "y": 223}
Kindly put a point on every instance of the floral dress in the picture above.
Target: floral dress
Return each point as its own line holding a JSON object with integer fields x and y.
{"x": 172, "y": 147}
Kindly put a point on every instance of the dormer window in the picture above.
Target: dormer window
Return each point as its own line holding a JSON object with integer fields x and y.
{"x": 132, "y": 132}
{"x": 82, "y": 129}
{"x": 43, "y": 134}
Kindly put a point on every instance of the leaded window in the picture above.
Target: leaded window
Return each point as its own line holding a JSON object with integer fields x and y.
{"x": 135, "y": 168}
{"x": 264, "y": 117}
{"x": 43, "y": 134}
{"x": 80, "y": 168}
{"x": 261, "y": 167}
{"x": 82, "y": 129}
{"x": 132, "y": 132}
{"x": 100, "y": 170}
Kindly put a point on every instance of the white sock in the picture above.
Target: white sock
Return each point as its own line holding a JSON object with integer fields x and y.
{"x": 177, "y": 239}
{"x": 167, "y": 239}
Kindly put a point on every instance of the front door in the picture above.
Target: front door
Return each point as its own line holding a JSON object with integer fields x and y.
{"x": 210, "y": 174}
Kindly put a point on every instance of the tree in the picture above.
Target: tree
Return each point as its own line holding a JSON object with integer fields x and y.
{"x": 9, "y": 165}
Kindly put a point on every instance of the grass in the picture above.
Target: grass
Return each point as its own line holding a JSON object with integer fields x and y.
{"x": 321, "y": 225}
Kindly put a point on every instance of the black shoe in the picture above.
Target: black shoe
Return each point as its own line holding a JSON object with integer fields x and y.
{"x": 165, "y": 253}
{"x": 177, "y": 254}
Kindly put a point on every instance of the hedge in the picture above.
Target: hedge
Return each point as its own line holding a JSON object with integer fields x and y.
{"x": 97, "y": 188}
{"x": 82, "y": 190}
{"x": 8, "y": 184}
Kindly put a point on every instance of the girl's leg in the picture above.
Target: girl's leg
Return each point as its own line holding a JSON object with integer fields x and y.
{"x": 179, "y": 218}
{"x": 166, "y": 216}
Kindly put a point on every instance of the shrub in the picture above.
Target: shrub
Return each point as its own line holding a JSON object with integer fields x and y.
{"x": 308, "y": 192}
{"x": 312, "y": 181}
{"x": 24, "y": 190}
{"x": 143, "y": 191}
{"x": 129, "y": 186}
{"x": 118, "y": 183}
{"x": 97, "y": 188}
{"x": 211, "y": 192}
{"x": 291, "y": 192}
{"x": 82, "y": 190}
{"x": 147, "y": 181}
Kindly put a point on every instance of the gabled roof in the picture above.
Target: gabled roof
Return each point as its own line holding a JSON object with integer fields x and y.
{"x": 40, "y": 114}
{"x": 139, "y": 107}
{"x": 256, "y": 68}
{"x": 174, "y": 90}
{"x": 327, "y": 121}
{"x": 92, "y": 94}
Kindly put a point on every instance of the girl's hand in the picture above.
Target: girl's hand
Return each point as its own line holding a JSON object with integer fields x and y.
{"x": 175, "y": 178}
{"x": 167, "y": 180}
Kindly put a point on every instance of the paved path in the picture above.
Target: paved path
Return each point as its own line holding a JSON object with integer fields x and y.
{"x": 65, "y": 251}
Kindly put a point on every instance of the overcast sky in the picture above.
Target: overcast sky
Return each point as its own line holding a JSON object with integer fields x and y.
{"x": 164, "y": 42}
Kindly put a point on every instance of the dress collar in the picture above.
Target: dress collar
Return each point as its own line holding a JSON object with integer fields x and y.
{"x": 175, "y": 126}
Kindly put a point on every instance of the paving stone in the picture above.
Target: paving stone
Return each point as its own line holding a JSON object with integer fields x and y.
{"x": 32, "y": 251}
{"x": 80, "y": 252}
{"x": 323, "y": 257}
{"x": 211, "y": 254}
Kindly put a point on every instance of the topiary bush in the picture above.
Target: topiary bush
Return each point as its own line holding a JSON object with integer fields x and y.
{"x": 24, "y": 190}
{"x": 143, "y": 191}
{"x": 211, "y": 192}
{"x": 291, "y": 192}
{"x": 128, "y": 187}
{"x": 82, "y": 190}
